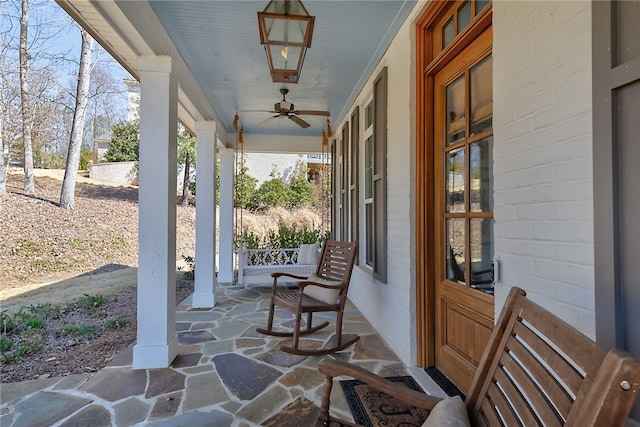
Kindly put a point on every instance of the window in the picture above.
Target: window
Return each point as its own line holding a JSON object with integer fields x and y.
{"x": 345, "y": 164}
{"x": 368, "y": 183}
{"x": 354, "y": 183}
{"x": 379, "y": 177}
{"x": 459, "y": 19}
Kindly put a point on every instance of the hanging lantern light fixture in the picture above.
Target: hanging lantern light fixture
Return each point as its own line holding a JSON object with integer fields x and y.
{"x": 285, "y": 31}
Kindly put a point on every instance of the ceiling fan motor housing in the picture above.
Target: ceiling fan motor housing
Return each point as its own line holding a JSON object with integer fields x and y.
{"x": 283, "y": 106}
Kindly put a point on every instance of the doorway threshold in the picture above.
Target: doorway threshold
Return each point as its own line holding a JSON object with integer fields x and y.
{"x": 445, "y": 384}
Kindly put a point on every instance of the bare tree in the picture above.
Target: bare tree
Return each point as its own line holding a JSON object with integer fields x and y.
{"x": 4, "y": 158}
{"x": 77, "y": 129}
{"x": 29, "y": 184}
{"x": 186, "y": 156}
{"x": 3, "y": 168}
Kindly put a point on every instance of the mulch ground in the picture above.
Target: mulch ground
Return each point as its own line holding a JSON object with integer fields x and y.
{"x": 42, "y": 243}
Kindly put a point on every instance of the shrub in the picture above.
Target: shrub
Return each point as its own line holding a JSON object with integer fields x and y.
{"x": 46, "y": 310}
{"x": 34, "y": 323}
{"x": 272, "y": 193}
{"x": 244, "y": 190}
{"x": 300, "y": 193}
{"x": 27, "y": 345}
{"x": 115, "y": 323}
{"x": 7, "y": 322}
{"x": 52, "y": 161}
{"x": 5, "y": 345}
{"x": 86, "y": 158}
{"x": 89, "y": 302}
{"x": 84, "y": 331}
{"x": 189, "y": 274}
{"x": 285, "y": 237}
{"x": 124, "y": 145}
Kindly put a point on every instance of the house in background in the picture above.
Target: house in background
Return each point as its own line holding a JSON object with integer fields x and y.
{"x": 479, "y": 145}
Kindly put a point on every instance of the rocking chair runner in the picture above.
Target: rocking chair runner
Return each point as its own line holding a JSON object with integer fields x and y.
{"x": 535, "y": 370}
{"x": 324, "y": 291}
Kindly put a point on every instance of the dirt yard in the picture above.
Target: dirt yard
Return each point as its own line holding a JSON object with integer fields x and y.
{"x": 50, "y": 255}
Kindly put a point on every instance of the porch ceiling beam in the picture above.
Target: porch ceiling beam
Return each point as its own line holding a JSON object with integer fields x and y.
{"x": 279, "y": 144}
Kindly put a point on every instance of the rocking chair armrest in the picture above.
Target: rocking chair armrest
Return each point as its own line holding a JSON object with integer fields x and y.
{"x": 281, "y": 274}
{"x": 304, "y": 283}
{"x": 333, "y": 368}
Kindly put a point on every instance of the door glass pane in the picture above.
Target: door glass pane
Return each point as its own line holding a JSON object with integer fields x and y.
{"x": 455, "y": 250}
{"x": 481, "y": 175}
{"x": 455, "y": 111}
{"x": 481, "y": 234}
{"x": 455, "y": 181}
{"x": 480, "y": 4}
{"x": 481, "y": 96}
{"x": 464, "y": 16}
{"x": 447, "y": 33}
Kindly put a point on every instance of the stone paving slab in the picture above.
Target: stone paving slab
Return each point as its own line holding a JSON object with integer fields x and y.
{"x": 45, "y": 408}
{"x": 226, "y": 374}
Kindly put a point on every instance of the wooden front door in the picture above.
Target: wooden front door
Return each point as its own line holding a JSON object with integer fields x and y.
{"x": 463, "y": 209}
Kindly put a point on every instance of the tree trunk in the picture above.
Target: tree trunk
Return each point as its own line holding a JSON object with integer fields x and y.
{"x": 27, "y": 122}
{"x": 3, "y": 166}
{"x": 185, "y": 181}
{"x": 77, "y": 128}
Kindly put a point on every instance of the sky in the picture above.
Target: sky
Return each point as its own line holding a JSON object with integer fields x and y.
{"x": 58, "y": 34}
{"x": 54, "y": 43}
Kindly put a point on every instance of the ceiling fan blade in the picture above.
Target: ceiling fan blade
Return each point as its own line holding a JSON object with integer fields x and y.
{"x": 312, "y": 113}
{"x": 258, "y": 111}
{"x": 267, "y": 120}
{"x": 299, "y": 121}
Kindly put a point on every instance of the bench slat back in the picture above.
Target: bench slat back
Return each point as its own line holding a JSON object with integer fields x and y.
{"x": 538, "y": 370}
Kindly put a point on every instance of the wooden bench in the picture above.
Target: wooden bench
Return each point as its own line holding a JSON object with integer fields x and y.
{"x": 256, "y": 265}
{"x": 535, "y": 370}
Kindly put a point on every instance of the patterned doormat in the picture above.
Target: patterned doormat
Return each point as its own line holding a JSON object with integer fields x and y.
{"x": 373, "y": 408}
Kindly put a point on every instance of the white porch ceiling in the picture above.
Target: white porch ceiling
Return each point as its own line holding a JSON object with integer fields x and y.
{"x": 222, "y": 67}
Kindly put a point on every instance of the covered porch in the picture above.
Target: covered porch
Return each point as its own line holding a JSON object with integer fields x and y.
{"x": 202, "y": 63}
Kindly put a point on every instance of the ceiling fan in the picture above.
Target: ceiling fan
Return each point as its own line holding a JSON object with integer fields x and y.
{"x": 286, "y": 109}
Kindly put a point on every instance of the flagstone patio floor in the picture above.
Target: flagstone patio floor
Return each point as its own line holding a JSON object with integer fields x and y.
{"x": 225, "y": 374}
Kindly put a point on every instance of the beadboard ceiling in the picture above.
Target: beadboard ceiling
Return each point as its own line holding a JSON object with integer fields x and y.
{"x": 226, "y": 65}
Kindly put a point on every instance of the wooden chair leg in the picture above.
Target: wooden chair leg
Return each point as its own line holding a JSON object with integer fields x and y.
{"x": 324, "y": 408}
{"x": 296, "y": 332}
{"x": 309, "y": 320}
{"x": 339, "y": 329}
{"x": 272, "y": 306}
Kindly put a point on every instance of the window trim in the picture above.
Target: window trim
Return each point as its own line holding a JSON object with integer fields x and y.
{"x": 380, "y": 93}
{"x": 354, "y": 183}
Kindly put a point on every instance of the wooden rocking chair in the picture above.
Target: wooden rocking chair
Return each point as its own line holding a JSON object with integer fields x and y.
{"x": 535, "y": 370}
{"x": 326, "y": 290}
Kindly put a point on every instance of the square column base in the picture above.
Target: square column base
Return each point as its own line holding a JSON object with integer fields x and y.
{"x": 155, "y": 356}
{"x": 203, "y": 300}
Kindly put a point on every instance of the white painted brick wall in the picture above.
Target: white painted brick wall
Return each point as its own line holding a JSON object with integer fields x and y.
{"x": 543, "y": 155}
{"x": 391, "y": 307}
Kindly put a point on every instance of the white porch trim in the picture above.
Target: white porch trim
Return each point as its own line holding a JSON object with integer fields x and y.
{"x": 157, "y": 343}
{"x": 205, "y": 277}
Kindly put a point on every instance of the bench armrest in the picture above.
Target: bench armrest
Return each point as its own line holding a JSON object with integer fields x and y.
{"x": 333, "y": 368}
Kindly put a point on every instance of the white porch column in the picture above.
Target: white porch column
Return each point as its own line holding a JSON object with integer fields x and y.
{"x": 225, "y": 273}
{"x": 205, "y": 278}
{"x": 156, "y": 340}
